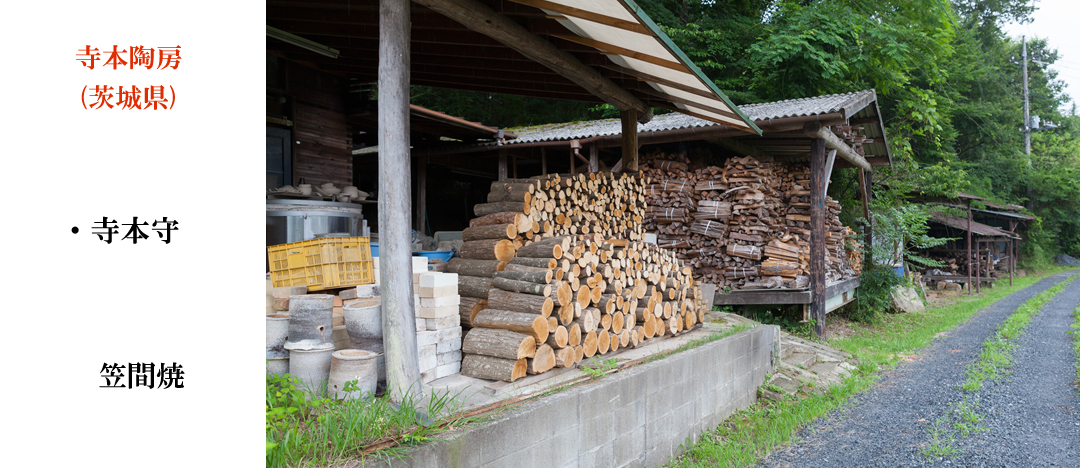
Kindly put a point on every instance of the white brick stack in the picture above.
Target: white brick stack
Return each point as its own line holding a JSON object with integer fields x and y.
{"x": 439, "y": 345}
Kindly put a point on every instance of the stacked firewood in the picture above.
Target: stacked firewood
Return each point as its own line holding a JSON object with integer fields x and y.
{"x": 745, "y": 225}
{"x": 520, "y": 210}
{"x": 564, "y": 298}
{"x": 601, "y": 202}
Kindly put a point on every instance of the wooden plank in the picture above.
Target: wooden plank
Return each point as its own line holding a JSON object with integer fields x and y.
{"x": 769, "y": 297}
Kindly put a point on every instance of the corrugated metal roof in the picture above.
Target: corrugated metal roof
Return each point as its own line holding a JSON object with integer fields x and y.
{"x": 848, "y": 104}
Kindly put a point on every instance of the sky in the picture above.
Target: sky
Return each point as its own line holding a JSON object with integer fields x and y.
{"x": 1056, "y": 21}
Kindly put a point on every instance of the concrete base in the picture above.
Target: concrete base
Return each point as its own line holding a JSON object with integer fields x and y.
{"x": 633, "y": 418}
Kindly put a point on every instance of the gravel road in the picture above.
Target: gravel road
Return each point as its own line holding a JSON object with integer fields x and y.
{"x": 887, "y": 425}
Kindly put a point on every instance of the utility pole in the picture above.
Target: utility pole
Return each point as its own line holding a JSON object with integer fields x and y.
{"x": 1027, "y": 117}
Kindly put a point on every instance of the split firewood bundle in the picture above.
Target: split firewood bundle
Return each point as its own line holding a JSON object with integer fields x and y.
{"x": 564, "y": 298}
{"x": 744, "y": 225}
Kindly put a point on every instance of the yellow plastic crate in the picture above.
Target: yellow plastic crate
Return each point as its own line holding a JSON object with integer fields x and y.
{"x": 332, "y": 262}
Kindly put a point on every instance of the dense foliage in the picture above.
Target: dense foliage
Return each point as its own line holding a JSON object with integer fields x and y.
{"x": 949, "y": 89}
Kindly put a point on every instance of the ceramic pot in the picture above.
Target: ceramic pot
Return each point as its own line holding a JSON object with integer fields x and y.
{"x": 363, "y": 321}
{"x": 277, "y": 365}
{"x": 305, "y": 189}
{"x": 277, "y": 332}
{"x": 311, "y": 366}
{"x": 311, "y": 322}
{"x": 353, "y": 364}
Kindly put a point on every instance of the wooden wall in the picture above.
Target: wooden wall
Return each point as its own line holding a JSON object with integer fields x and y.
{"x": 322, "y": 147}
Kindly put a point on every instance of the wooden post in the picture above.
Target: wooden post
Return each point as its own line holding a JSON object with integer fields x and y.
{"x": 629, "y": 141}
{"x": 514, "y": 157}
{"x": 395, "y": 251}
{"x": 970, "y": 258}
{"x": 502, "y": 164}
{"x": 866, "y": 180}
{"x": 543, "y": 160}
{"x": 594, "y": 158}
{"x": 421, "y": 194}
{"x": 817, "y": 235}
{"x": 1012, "y": 259}
{"x": 978, "y": 266}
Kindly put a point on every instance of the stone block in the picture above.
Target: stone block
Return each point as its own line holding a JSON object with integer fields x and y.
{"x": 427, "y": 337}
{"x": 448, "y": 334}
{"x": 630, "y": 447}
{"x": 279, "y": 304}
{"x": 451, "y": 290}
{"x": 438, "y": 312}
{"x": 600, "y": 456}
{"x": 596, "y": 431}
{"x": 419, "y": 263}
{"x": 559, "y": 450}
{"x": 284, "y": 292}
{"x": 448, "y": 358}
{"x": 443, "y": 322}
{"x": 435, "y": 280}
{"x": 421, "y": 325}
{"x": 448, "y": 346}
{"x": 446, "y": 370}
{"x": 428, "y": 359}
{"x": 443, "y": 301}
{"x": 426, "y": 376}
{"x": 367, "y": 291}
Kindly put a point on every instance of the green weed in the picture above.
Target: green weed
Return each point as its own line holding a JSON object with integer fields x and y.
{"x": 597, "y": 368}
{"x": 309, "y": 428}
{"x": 996, "y": 356}
{"x": 753, "y": 432}
{"x": 941, "y": 441}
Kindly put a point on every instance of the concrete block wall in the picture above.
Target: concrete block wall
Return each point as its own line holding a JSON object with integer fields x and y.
{"x": 636, "y": 418}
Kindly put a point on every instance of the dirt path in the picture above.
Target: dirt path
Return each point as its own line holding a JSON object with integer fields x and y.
{"x": 888, "y": 425}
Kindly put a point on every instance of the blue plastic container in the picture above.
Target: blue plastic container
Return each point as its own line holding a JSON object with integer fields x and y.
{"x": 443, "y": 255}
{"x": 899, "y": 270}
{"x": 374, "y": 249}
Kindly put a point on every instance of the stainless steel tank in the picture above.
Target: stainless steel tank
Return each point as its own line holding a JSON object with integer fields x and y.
{"x": 299, "y": 220}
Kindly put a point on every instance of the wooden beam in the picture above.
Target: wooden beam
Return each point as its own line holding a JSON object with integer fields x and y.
{"x": 816, "y": 130}
{"x": 829, "y": 160}
{"x": 395, "y": 204}
{"x": 587, "y": 15}
{"x": 817, "y": 236}
{"x": 481, "y": 18}
{"x": 594, "y": 158}
{"x": 543, "y": 160}
{"x": 629, "y": 141}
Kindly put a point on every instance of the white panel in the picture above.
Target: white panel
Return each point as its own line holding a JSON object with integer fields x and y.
{"x": 649, "y": 45}
{"x": 610, "y": 8}
{"x": 693, "y": 97}
{"x": 661, "y": 72}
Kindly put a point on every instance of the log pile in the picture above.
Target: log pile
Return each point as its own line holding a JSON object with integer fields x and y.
{"x": 745, "y": 225}
{"x": 520, "y": 210}
{"x": 564, "y": 298}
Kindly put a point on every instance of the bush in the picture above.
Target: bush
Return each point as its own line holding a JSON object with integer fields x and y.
{"x": 872, "y": 298}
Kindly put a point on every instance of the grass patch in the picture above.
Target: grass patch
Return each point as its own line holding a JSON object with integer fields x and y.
{"x": 1076, "y": 344}
{"x": 597, "y": 368}
{"x": 754, "y": 432}
{"x": 306, "y": 428}
{"x": 996, "y": 356}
